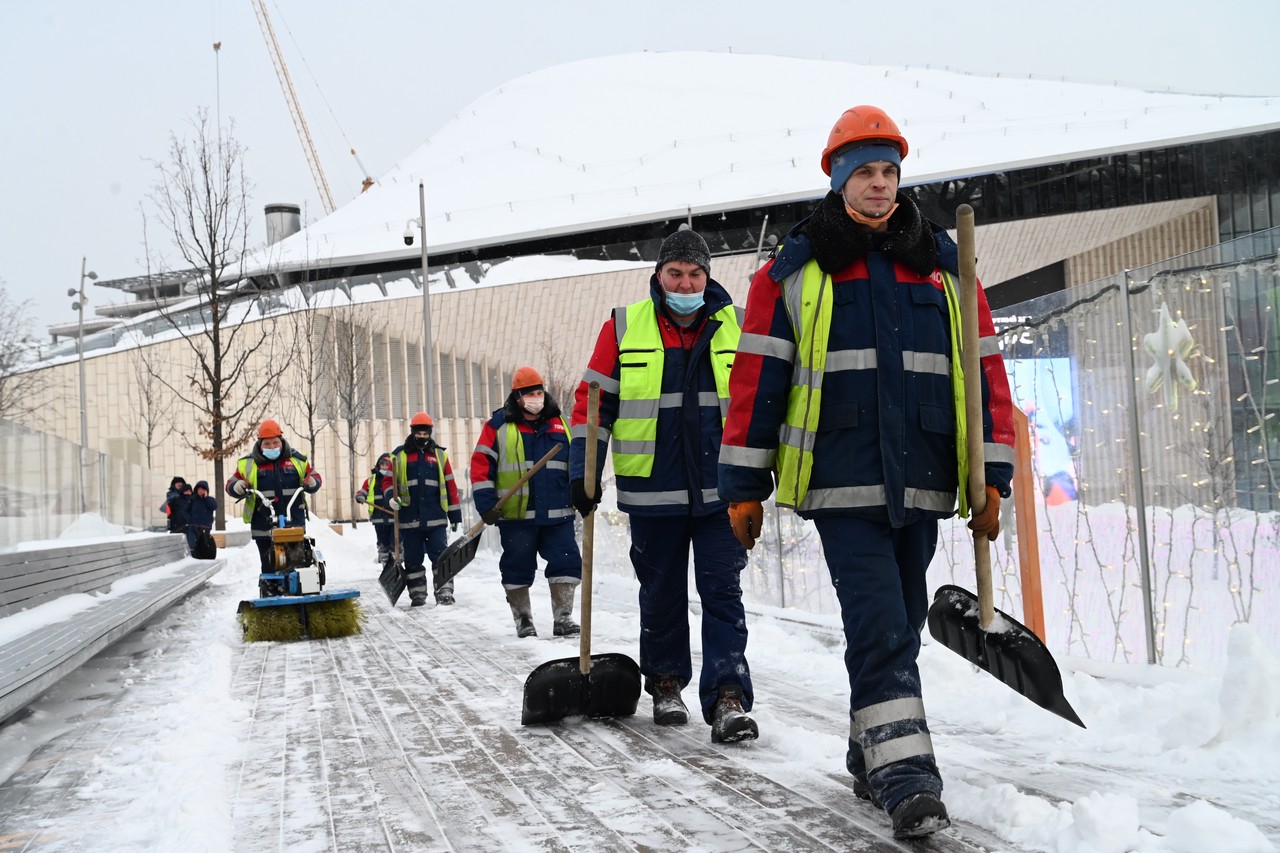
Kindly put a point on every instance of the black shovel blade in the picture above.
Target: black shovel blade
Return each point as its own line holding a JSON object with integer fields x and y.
{"x": 454, "y": 558}
{"x": 558, "y": 689}
{"x": 1009, "y": 650}
{"x": 392, "y": 580}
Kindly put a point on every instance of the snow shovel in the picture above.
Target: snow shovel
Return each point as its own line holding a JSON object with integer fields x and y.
{"x": 589, "y": 685}
{"x": 965, "y": 623}
{"x": 392, "y": 577}
{"x": 462, "y": 550}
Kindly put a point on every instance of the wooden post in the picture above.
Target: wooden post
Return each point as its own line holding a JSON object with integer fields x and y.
{"x": 1024, "y": 503}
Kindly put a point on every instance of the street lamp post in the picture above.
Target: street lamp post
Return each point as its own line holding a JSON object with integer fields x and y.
{"x": 78, "y": 305}
{"x": 428, "y": 362}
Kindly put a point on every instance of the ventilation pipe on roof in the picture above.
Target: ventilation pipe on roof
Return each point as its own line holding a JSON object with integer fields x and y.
{"x": 282, "y": 221}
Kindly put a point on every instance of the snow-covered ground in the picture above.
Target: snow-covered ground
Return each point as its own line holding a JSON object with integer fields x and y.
{"x": 1173, "y": 760}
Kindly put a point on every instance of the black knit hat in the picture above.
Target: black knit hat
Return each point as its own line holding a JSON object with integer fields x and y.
{"x": 685, "y": 245}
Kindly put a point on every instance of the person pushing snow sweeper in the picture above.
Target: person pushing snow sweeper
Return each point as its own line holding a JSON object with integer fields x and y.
{"x": 277, "y": 471}
{"x": 292, "y": 602}
{"x": 846, "y": 389}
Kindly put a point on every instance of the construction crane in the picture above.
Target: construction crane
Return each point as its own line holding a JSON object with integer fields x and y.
{"x": 295, "y": 108}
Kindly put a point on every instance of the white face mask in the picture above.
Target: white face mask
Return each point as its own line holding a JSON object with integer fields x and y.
{"x": 533, "y": 403}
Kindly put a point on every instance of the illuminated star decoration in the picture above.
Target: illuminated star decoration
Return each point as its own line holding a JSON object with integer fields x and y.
{"x": 1169, "y": 346}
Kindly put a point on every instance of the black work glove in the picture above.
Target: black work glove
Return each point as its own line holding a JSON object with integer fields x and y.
{"x": 492, "y": 516}
{"x": 578, "y": 497}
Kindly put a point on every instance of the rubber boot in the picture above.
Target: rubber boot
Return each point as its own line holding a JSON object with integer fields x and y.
{"x": 562, "y": 609}
{"x": 522, "y": 611}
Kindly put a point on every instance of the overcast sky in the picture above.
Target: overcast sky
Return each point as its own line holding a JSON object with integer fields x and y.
{"x": 92, "y": 91}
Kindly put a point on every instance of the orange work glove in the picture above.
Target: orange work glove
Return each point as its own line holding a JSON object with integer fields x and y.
{"x": 987, "y": 522}
{"x": 746, "y": 518}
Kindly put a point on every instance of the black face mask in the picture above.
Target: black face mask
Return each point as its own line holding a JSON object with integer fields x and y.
{"x": 422, "y": 440}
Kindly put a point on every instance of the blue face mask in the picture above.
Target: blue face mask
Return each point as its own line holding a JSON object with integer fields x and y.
{"x": 684, "y": 303}
{"x": 273, "y": 453}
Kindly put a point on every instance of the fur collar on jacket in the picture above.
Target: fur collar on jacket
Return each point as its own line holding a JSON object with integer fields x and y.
{"x": 839, "y": 241}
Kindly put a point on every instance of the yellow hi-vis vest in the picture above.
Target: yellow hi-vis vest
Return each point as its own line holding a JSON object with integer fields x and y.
{"x": 641, "y": 356}
{"x": 399, "y": 470}
{"x": 248, "y": 469}
{"x": 808, "y": 299}
{"x": 511, "y": 467}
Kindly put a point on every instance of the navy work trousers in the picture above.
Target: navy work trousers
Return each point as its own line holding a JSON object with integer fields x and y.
{"x": 521, "y": 545}
{"x": 417, "y": 543}
{"x": 660, "y": 555}
{"x": 879, "y": 577}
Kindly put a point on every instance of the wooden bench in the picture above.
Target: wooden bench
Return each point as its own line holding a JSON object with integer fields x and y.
{"x": 37, "y": 650}
{"x": 231, "y": 538}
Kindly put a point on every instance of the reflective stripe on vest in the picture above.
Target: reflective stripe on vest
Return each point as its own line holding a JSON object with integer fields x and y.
{"x": 511, "y": 467}
{"x": 248, "y": 469}
{"x": 808, "y": 299}
{"x": 641, "y": 356}
{"x": 401, "y": 473}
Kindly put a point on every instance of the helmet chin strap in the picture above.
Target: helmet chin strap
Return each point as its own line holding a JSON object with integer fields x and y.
{"x": 869, "y": 221}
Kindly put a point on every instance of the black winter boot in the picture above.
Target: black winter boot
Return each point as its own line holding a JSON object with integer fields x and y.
{"x": 918, "y": 815}
{"x": 668, "y": 707}
{"x": 730, "y": 723}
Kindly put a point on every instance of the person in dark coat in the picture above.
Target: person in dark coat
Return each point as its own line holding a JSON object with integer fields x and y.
{"x": 846, "y": 394}
{"x": 277, "y": 471}
{"x": 663, "y": 367}
{"x": 537, "y": 519}
{"x": 201, "y": 509}
{"x": 175, "y": 504}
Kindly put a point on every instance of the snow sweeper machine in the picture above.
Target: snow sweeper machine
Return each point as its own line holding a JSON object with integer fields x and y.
{"x": 293, "y": 602}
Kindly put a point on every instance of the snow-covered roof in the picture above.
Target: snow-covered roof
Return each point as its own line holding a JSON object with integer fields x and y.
{"x": 646, "y": 136}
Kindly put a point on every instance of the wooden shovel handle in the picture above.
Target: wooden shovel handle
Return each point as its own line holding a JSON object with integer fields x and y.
{"x": 589, "y": 525}
{"x": 971, "y": 359}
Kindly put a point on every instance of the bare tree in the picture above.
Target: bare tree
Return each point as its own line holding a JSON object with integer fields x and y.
{"x": 21, "y": 388}
{"x": 311, "y": 388}
{"x": 559, "y": 377}
{"x": 150, "y": 415}
{"x": 352, "y": 390}
{"x": 201, "y": 201}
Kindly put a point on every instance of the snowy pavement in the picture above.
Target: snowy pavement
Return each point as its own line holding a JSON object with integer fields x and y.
{"x": 408, "y": 737}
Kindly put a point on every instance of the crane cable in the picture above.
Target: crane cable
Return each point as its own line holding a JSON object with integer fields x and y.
{"x": 367, "y": 180}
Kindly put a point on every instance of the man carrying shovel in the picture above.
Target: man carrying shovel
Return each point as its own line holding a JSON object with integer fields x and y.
{"x": 844, "y": 389}
{"x": 421, "y": 489}
{"x": 538, "y": 518}
{"x": 663, "y": 368}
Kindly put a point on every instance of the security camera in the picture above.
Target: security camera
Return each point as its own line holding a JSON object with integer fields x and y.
{"x": 408, "y": 236}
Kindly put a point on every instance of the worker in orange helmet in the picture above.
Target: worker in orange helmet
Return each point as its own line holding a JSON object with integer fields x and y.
{"x": 846, "y": 397}
{"x": 537, "y": 519}
{"x": 277, "y": 471}
{"x": 422, "y": 490}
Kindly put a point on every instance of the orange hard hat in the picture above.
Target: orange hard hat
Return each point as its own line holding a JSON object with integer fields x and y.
{"x": 526, "y": 377}
{"x": 269, "y": 429}
{"x": 421, "y": 419}
{"x": 861, "y": 123}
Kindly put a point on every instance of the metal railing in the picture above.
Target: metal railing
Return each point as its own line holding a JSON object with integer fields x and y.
{"x": 48, "y": 492}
